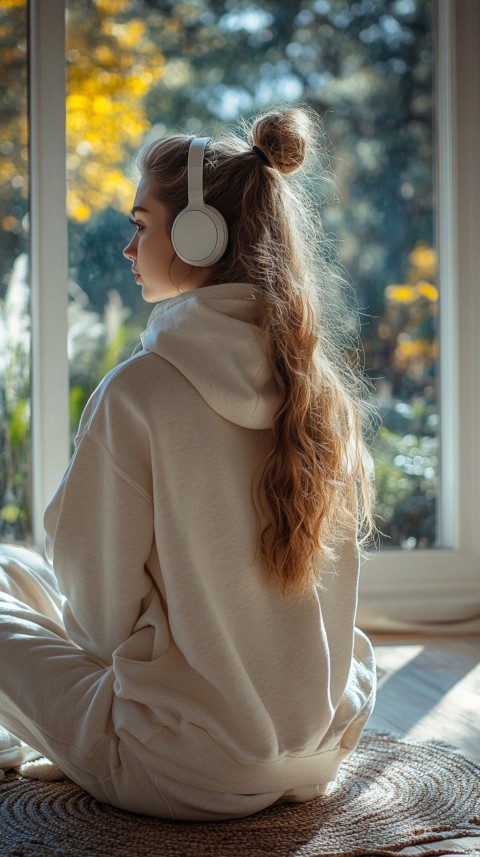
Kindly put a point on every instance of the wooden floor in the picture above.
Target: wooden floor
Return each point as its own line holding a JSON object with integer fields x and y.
{"x": 429, "y": 687}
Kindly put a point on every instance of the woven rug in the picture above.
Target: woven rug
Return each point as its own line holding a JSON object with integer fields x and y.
{"x": 389, "y": 794}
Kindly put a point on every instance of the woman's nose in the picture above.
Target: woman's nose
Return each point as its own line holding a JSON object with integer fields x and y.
{"x": 129, "y": 251}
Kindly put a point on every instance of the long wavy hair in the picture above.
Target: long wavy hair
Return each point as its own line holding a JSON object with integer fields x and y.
{"x": 315, "y": 488}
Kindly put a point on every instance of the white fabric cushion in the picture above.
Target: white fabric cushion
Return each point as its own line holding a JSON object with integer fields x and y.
{"x": 13, "y": 751}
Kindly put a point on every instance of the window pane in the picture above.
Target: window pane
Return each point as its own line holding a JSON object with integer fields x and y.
{"x": 15, "y": 457}
{"x": 138, "y": 70}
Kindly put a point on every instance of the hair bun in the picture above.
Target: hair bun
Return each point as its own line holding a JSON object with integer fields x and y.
{"x": 284, "y": 136}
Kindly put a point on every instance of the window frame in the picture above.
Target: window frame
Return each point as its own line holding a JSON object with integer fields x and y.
{"x": 452, "y": 568}
{"x": 48, "y": 254}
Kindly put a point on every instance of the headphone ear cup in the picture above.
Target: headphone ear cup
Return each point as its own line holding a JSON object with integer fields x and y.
{"x": 199, "y": 235}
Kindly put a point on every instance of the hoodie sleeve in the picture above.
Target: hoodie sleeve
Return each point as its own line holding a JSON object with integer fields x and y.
{"x": 99, "y": 527}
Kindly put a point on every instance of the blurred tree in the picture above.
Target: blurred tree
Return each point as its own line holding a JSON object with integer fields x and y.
{"x": 409, "y": 325}
{"x": 13, "y": 135}
{"x": 95, "y": 251}
{"x": 111, "y": 64}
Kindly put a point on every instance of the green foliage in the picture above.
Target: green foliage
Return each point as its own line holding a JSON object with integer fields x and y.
{"x": 10, "y": 513}
{"x": 405, "y": 477}
{"x": 77, "y": 400}
{"x": 392, "y": 483}
{"x": 120, "y": 347}
{"x": 19, "y": 424}
{"x": 15, "y": 459}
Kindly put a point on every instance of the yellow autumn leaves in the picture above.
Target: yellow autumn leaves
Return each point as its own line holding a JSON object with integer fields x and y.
{"x": 422, "y": 270}
{"x": 12, "y": 4}
{"x": 410, "y": 308}
{"x": 111, "y": 65}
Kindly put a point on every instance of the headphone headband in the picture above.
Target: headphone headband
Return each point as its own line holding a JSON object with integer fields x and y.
{"x": 195, "y": 168}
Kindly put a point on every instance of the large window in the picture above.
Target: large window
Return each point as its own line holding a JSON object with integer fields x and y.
{"x": 137, "y": 70}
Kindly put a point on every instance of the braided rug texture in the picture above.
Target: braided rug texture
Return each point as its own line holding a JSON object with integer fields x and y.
{"x": 390, "y": 793}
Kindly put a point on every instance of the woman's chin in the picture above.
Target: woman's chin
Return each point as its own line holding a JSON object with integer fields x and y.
{"x": 153, "y": 294}
{"x": 149, "y": 295}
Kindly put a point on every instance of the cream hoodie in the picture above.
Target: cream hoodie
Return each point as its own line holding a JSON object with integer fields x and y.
{"x": 220, "y": 680}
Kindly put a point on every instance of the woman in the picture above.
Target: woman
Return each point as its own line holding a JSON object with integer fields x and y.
{"x": 191, "y": 650}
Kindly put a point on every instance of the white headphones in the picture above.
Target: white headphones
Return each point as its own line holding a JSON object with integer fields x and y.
{"x": 199, "y": 233}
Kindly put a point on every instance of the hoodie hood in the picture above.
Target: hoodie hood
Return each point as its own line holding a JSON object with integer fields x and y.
{"x": 209, "y": 334}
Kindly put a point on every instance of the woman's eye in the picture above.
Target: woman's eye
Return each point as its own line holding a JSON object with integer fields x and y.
{"x": 134, "y": 223}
